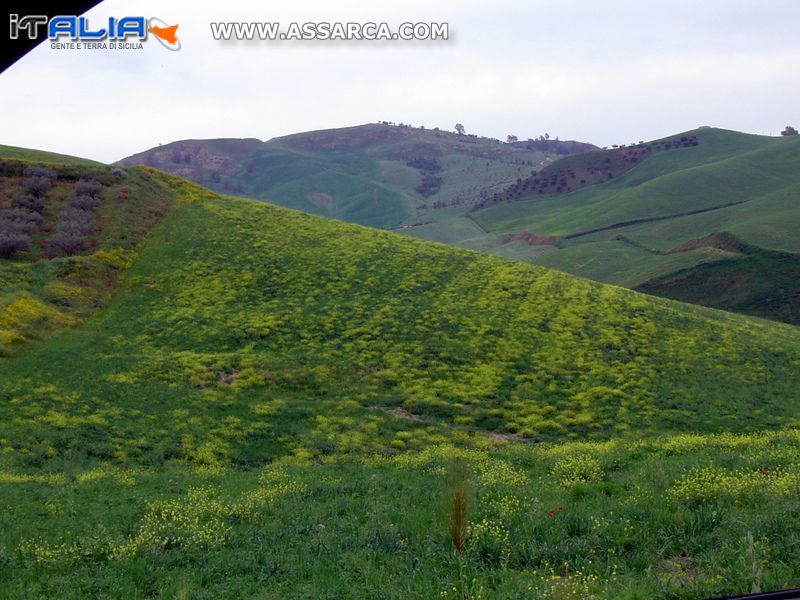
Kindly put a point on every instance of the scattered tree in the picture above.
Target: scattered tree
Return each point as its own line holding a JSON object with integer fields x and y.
{"x": 789, "y": 131}
{"x": 37, "y": 181}
{"x": 459, "y": 129}
{"x": 30, "y": 202}
{"x": 13, "y": 242}
{"x": 68, "y": 241}
{"x": 511, "y": 138}
{"x": 88, "y": 187}
{"x": 84, "y": 202}
{"x": 19, "y": 220}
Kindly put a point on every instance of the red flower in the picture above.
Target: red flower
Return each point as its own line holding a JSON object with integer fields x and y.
{"x": 550, "y": 513}
{"x": 561, "y": 508}
{"x": 764, "y": 471}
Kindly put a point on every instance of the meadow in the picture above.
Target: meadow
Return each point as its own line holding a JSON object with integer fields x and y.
{"x": 272, "y": 404}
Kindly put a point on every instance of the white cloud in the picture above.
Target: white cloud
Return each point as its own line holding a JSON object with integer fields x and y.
{"x": 606, "y": 72}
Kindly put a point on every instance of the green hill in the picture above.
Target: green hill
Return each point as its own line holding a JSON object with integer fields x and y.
{"x": 380, "y": 175}
{"x": 41, "y": 156}
{"x": 611, "y": 215}
{"x": 630, "y": 230}
{"x": 274, "y": 404}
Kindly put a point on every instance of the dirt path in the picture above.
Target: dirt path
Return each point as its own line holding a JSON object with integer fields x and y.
{"x": 401, "y": 413}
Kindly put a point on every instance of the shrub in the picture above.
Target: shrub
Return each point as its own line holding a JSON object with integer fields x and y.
{"x": 12, "y": 243}
{"x": 19, "y": 220}
{"x": 29, "y": 202}
{"x": 430, "y": 185}
{"x": 425, "y": 164}
{"x": 88, "y": 187}
{"x": 67, "y": 242}
{"x": 75, "y": 214}
{"x": 74, "y": 227}
{"x": 37, "y": 181}
{"x": 39, "y": 172}
{"x": 84, "y": 202}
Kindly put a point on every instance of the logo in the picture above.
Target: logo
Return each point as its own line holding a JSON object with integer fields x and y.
{"x": 116, "y": 33}
{"x": 165, "y": 35}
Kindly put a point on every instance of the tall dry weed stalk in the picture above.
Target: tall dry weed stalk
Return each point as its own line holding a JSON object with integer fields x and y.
{"x": 457, "y": 504}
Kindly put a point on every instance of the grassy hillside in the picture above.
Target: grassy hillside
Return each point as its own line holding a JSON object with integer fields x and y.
{"x": 379, "y": 175}
{"x": 626, "y": 230}
{"x": 666, "y": 184}
{"x": 41, "y": 156}
{"x": 279, "y": 405}
{"x": 759, "y": 282}
{"x": 67, "y": 233}
{"x": 610, "y": 215}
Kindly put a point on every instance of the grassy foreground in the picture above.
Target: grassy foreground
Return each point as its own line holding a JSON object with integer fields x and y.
{"x": 275, "y": 405}
{"x": 685, "y": 516}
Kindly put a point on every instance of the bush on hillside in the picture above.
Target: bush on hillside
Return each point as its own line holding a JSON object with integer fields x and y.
{"x": 30, "y": 202}
{"x": 88, "y": 187}
{"x": 38, "y": 180}
{"x": 12, "y": 243}
{"x": 67, "y": 241}
{"x": 84, "y": 202}
{"x": 19, "y": 220}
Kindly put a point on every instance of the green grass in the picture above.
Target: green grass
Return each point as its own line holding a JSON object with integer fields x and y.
{"x": 743, "y": 184}
{"x": 268, "y": 406}
{"x": 621, "y": 262}
{"x": 715, "y": 173}
{"x": 761, "y": 283}
{"x": 357, "y": 174}
{"x": 41, "y": 156}
{"x": 677, "y": 517}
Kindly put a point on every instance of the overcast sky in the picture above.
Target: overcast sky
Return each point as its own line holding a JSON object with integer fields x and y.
{"x": 605, "y": 72}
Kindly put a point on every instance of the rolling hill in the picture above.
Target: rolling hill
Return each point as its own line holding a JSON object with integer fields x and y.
{"x": 380, "y": 175}
{"x": 267, "y": 403}
{"x": 42, "y": 156}
{"x": 631, "y": 215}
{"x": 652, "y": 224}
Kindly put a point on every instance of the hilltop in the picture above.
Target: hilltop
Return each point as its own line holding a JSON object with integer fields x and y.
{"x": 377, "y": 174}
{"x": 42, "y": 156}
{"x": 267, "y": 402}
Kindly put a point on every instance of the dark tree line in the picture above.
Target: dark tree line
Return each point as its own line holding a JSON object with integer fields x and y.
{"x": 430, "y": 183}
{"x": 560, "y": 179}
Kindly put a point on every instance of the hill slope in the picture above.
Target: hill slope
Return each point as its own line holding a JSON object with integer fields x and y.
{"x": 67, "y": 233}
{"x": 42, "y": 156}
{"x": 379, "y": 175}
{"x": 270, "y": 402}
{"x": 644, "y": 223}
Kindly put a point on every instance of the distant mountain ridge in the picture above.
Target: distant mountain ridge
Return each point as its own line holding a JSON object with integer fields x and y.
{"x": 375, "y": 174}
